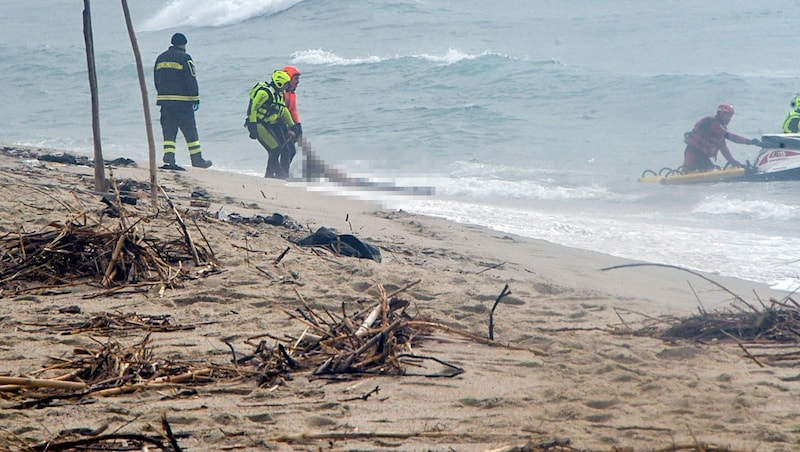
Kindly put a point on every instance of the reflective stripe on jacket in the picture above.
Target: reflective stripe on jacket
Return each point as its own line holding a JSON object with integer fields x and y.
{"x": 175, "y": 78}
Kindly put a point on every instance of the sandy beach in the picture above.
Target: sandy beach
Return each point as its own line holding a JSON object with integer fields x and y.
{"x": 569, "y": 367}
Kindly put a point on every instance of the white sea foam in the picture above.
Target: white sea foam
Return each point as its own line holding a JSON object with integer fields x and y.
{"x": 213, "y": 13}
{"x": 453, "y": 56}
{"x": 705, "y": 249}
{"x": 324, "y": 57}
{"x": 758, "y": 209}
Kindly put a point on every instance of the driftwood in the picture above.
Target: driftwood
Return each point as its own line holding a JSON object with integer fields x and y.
{"x": 109, "y": 370}
{"x": 773, "y": 329}
{"x": 80, "y": 251}
{"x": 735, "y": 296}
{"x": 93, "y": 440}
{"x": 21, "y": 382}
{"x": 329, "y": 346}
{"x": 774, "y": 332}
{"x": 378, "y": 340}
{"x": 503, "y": 293}
{"x": 145, "y": 104}
{"x": 140, "y": 442}
{"x": 187, "y": 237}
{"x": 107, "y": 323}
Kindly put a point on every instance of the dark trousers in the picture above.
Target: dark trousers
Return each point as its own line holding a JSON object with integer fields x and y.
{"x": 275, "y": 168}
{"x": 695, "y": 160}
{"x": 175, "y": 117}
{"x": 285, "y": 157}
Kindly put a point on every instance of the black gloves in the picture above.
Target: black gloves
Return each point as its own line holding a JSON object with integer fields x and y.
{"x": 253, "y": 129}
{"x": 754, "y": 142}
{"x": 297, "y": 129}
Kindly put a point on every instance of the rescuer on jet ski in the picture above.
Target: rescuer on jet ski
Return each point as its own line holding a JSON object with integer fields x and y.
{"x": 708, "y": 137}
{"x": 792, "y": 122}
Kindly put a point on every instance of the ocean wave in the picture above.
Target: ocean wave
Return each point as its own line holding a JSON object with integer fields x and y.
{"x": 324, "y": 57}
{"x": 519, "y": 190}
{"x": 477, "y": 180}
{"x": 453, "y": 56}
{"x": 756, "y": 209}
{"x": 213, "y": 13}
{"x": 620, "y": 236}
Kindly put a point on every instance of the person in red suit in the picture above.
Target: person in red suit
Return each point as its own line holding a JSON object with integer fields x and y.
{"x": 707, "y": 138}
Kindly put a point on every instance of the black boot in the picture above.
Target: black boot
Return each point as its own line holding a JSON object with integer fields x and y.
{"x": 198, "y": 162}
{"x": 169, "y": 162}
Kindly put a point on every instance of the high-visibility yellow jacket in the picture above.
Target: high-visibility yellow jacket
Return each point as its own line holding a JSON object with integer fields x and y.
{"x": 268, "y": 105}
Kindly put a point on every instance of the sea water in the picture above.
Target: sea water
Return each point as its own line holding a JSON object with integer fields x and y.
{"x": 530, "y": 117}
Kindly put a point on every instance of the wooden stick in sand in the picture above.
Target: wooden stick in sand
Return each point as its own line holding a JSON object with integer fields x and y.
{"x": 503, "y": 293}
{"x": 189, "y": 242}
{"x": 42, "y": 383}
{"x": 145, "y": 105}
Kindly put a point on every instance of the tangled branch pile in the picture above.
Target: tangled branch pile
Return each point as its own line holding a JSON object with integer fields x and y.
{"x": 86, "y": 439}
{"x": 109, "y": 370}
{"x": 109, "y": 322}
{"x": 778, "y": 322}
{"x": 375, "y": 341}
{"x": 64, "y": 255}
{"x": 774, "y": 329}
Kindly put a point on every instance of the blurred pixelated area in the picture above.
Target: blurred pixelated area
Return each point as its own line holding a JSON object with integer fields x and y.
{"x": 316, "y": 169}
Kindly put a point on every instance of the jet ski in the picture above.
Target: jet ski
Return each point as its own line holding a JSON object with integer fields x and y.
{"x": 778, "y": 160}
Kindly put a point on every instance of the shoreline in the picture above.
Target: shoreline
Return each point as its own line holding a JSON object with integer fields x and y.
{"x": 574, "y": 372}
{"x": 778, "y": 289}
{"x": 342, "y": 212}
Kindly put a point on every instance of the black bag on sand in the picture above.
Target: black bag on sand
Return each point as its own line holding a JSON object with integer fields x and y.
{"x": 344, "y": 244}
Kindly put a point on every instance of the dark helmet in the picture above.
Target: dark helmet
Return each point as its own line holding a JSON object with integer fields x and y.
{"x": 178, "y": 39}
{"x": 280, "y": 79}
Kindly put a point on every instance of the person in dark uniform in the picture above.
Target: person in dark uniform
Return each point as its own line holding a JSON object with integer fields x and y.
{"x": 179, "y": 97}
{"x": 270, "y": 122}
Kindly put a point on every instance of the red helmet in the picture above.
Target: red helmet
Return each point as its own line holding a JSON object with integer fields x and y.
{"x": 291, "y": 70}
{"x": 294, "y": 74}
{"x": 725, "y": 109}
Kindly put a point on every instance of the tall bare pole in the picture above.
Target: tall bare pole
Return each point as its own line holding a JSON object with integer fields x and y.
{"x": 145, "y": 103}
{"x": 99, "y": 165}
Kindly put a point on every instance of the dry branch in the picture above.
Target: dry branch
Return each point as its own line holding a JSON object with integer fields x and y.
{"x": 63, "y": 255}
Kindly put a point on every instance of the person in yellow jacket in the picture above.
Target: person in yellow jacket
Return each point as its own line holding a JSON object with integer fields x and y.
{"x": 792, "y": 122}
{"x": 269, "y": 121}
{"x": 179, "y": 97}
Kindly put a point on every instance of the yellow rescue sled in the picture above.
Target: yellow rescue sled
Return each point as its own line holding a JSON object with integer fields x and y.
{"x": 716, "y": 175}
